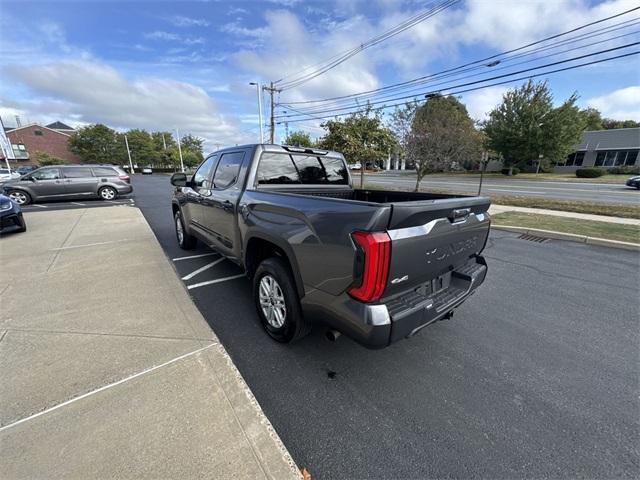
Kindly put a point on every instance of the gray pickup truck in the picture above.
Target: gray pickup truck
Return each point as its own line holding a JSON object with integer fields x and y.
{"x": 377, "y": 266}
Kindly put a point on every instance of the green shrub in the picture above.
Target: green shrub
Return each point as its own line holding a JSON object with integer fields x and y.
{"x": 589, "y": 172}
{"x": 514, "y": 171}
{"x": 44, "y": 159}
{"x": 624, "y": 170}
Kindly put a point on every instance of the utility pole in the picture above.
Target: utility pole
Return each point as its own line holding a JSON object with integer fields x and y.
{"x": 272, "y": 125}
{"x": 180, "y": 151}
{"x": 126, "y": 142}
{"x": 164, "y": 142}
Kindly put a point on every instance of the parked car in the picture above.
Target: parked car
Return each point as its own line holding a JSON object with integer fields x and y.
{"x": 634, "y": 182}
{"x": 25, "y": 169}
{"x": 375, "y": 265}
{"x": 11, "y": 219}
{"x": 355, "y": 166}
{"x": 147, "y": 171}
{"x": 6, "y": 174}
{"x": 67, "y": 182}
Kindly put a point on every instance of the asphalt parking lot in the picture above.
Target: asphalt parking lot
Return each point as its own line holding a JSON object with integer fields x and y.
{"x": 536, "y": 376}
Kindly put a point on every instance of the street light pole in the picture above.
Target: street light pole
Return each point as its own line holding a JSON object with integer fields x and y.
{"x": 258, "y": 89}
{"x": 126, "y": 142}
{"x": 180, "y": 151}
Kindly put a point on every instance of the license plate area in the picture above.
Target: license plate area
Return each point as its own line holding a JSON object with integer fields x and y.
{"x": 435, "y": 285}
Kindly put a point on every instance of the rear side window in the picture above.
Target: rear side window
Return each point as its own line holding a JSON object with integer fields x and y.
{"x": 77, "y": 172}
{"x": 46, "y": 174}
{"x": 284, "y": 168}
{"x": 228, "y": 168}
{"x": 105, "y": 172}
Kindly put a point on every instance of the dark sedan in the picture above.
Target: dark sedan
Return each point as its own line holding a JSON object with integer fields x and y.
{"x": 634, "y": 182}
{"x": 11, "y": 219}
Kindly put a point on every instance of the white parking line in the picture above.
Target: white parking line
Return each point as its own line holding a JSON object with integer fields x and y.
{"x": 36, "y": 205}
{"x": 77, "y": 203}
{"x": 194, "y": 256}
{"x": 202, "y": 269}
{"x": 514, "y": 191}
{"x": 211, "y": 282}
{"x": 97, "y": 390}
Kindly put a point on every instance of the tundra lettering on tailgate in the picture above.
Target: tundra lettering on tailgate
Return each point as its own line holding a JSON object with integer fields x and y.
{"x": 443, "y": 252}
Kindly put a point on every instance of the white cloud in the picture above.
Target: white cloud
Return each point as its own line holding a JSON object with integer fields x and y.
{"x": 235, "y": 28}
{"x": 182, "y": 21}
{"x": 622, "y": 104}
{"x": 481, "y": 102}
{"x": 174, "y": 37}
{"x": 89, "y": 92}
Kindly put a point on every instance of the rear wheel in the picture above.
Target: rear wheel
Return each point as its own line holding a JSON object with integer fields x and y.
{"x": 277, "y": 302}
{"x": 20, "y": 197}
{"x": 107, "y": 193}
{"x": 185, "y": 241}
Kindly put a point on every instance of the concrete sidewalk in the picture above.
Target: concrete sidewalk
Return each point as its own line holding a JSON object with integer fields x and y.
{"x": 109, "y": 370}
{"x": 496, "y": 209}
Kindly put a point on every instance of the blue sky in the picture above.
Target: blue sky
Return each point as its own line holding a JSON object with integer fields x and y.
{"x": 187, "y": 65}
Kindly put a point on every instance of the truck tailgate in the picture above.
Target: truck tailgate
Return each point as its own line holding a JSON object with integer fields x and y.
{"x": 430, "y": 241}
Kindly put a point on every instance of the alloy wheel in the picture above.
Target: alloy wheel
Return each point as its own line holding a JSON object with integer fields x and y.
{"x": 272, "y": 301}
{"x": 18, "y": 197}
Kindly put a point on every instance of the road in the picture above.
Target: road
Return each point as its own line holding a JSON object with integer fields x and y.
{"x": 535, "y": 376}
{"x": 591, "y": 192}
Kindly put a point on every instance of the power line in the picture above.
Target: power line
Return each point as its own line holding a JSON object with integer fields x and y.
{"x": 337, "y": 60}
{"x": 416, "y": 86}
{"x": 457, "y": 92}
{"x": 459, "y": 70}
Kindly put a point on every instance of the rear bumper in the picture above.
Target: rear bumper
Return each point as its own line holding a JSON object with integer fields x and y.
{"x": 124, "y": 189}
{"x": 377, "y": 326}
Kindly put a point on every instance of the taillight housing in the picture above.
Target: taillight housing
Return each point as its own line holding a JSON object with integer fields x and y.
{"x": 373, "y": 270}
{"x": 124, "y": 178}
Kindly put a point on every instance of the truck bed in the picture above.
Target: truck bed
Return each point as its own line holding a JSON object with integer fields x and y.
{"x": 409, "y": 209}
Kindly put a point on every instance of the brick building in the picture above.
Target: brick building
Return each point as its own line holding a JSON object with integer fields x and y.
{"x": 52, "y": 139}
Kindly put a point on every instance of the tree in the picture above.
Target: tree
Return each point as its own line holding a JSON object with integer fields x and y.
{"x": 592, "y": 119}
{"x": 44, "y": 159}
{"x": 97, "y": 144}
{"x": 526, "y": 126}
{"x": 610, "y": 124}
{"x": 193, "y": 144}
{"x": 141, "y": 147}
{"x": 299, "y": 139}
{"x": 361, "y": 137}
{"x": 163, "y": 146}
{"x": 442, "y": 137}
{"x": 400, "y": 124}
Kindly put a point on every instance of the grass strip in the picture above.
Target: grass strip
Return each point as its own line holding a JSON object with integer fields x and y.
{"x": 589, "y": 228}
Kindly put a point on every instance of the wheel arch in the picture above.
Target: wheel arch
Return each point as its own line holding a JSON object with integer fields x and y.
{"x": 260, "y": 246}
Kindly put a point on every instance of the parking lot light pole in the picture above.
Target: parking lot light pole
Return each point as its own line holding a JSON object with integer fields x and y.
{"x": 126, "y": 142}
{"x": 180, "y": 151}
{"x": 257, "y": 85}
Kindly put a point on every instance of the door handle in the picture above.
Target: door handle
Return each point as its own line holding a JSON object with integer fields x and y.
{"x": 227, "y": 205}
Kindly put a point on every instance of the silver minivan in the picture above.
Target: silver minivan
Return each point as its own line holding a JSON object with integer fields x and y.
{"x": 60, "y": 182}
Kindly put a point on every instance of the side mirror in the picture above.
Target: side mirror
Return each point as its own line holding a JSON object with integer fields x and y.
{"x": 30, "y": 178}
{"x": 179, "y": 179}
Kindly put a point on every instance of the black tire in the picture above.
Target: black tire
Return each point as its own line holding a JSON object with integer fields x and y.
{"x": 185, "y": 241}
{"x": 294, "y": 326}
{"x": 108, "y": 193}
{"x": 27, "y": 198}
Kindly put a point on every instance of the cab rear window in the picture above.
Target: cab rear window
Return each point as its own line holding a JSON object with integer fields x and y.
{"x": 284, "y": 168}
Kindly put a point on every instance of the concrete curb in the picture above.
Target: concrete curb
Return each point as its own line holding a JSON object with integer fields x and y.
{"x": 570, "y": 237}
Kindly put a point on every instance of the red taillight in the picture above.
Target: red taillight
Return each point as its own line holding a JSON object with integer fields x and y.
{"x": 124, "y": 178}
{"x": 376, "y": 248}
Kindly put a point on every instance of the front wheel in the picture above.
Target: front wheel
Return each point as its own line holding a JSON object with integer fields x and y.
{"x": 107, "y": 193}
{"x": 185, "y": 241}
{"x": 20, "y": 197}
{"x": 277, "y": 302}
